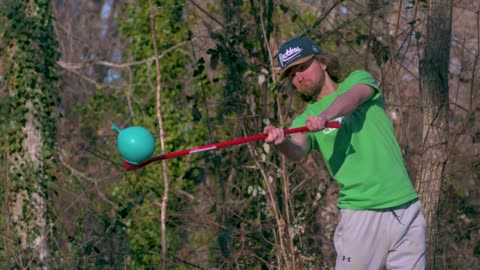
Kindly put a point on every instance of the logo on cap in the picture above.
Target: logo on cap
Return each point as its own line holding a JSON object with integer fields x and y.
{"x": 289, "y": 55}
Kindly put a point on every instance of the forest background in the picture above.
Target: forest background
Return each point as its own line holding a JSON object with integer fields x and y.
{"x": 198, "y": 72}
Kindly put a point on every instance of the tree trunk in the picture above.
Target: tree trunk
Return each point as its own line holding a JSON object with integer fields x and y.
{"x": 435, "y": 99}
{"x": 29, "y": 61}
{"x": 27, "y": 206}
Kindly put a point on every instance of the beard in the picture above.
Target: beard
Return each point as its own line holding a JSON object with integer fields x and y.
{"x": 310, "y": 90}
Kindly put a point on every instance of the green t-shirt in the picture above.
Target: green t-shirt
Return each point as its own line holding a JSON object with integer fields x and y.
{"x": 363, "y": 155}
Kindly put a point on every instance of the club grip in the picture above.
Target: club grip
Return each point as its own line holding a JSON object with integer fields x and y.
{"x": 331, "y": 124}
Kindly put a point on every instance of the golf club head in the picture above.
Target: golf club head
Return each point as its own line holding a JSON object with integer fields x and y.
{"x": 129, "y": 166}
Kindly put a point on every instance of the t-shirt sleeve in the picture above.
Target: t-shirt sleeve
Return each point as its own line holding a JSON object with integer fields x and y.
{"x": 361, "y": 77}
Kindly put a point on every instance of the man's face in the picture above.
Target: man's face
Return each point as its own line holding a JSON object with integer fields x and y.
{"x": 308, "y": 78}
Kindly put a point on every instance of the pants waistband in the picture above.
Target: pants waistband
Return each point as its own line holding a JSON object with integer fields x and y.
{"x": 401, "y": 206}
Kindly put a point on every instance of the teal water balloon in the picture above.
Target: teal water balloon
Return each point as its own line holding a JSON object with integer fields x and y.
{"x": 135, "y": 144}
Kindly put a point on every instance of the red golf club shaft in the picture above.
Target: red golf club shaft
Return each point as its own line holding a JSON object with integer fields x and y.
{"x": 132, "y": 167}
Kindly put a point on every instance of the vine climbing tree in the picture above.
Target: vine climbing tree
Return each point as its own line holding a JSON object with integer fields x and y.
{"x": 29, "y": 55}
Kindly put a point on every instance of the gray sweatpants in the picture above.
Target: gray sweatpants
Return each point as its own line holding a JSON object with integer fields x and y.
{"x": 387, "y": 239}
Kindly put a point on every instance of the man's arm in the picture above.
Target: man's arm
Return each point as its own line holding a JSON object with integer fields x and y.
{"x": 297, "y": 147}
{"x": 342, "y": 105}
{"x": 293, "y": 148}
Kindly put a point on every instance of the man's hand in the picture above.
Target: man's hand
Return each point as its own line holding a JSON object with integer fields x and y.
{"x": 275, "y": 135}
{"x": 316, "y": 123}
{"x": 294, "y": 148}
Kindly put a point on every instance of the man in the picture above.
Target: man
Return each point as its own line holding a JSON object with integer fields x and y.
{"x": 381, "y": 222}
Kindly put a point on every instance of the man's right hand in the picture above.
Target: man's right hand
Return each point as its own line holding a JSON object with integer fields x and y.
{"x": 275, "y": 135}
{"x": 293, "y": 148}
